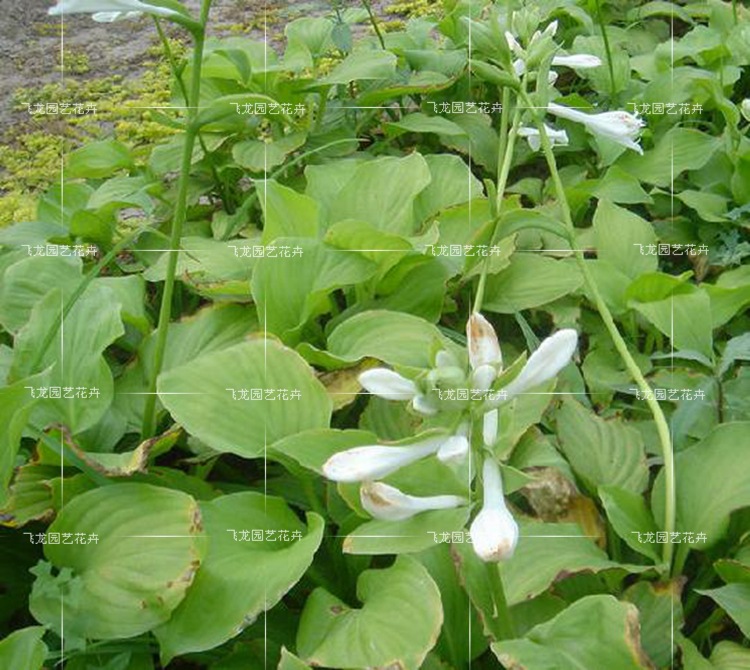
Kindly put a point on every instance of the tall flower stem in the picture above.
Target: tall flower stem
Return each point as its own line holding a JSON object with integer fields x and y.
{"x": 180, "y": 214}
{"x": 660, "y": 420}
{"x": 506, "y": 146}
{"x": 502, "y": 611}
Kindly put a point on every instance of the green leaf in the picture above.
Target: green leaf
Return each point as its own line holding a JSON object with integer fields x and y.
{"x": 629, "y": 516}
{"x": 612, "y": 640}
{"x": 75, "y": 355}
{"x": 239, "y": 578}
{"x": 290, "y": 291}
{"x": 452, "y": 183}
{"x": 675, "y": 317}
{"x": 711, "y": 485}
{"x": 661, "y": 613}
{"x": 286, "y": 213}
{"x": 260, "y": 156}
{"x": 199, "y": 396}
{"x": 382, "y": 192}
{"x": 24, "y": 649}
{"x": 530, "y": 281}
{"x": 98, "y": 159}
{"x": 129, "y": 581}
{"x": 392, "y": 337}
{"x": 728, "y": 655}
{"x": 549, "y": 552}
{"x": 407, "y": 536}
{"x": 417, "y": 122}
{"x": 27, "y": 281}
{"x": 678, "y": 150}
{"x": 15, "y": 407}
{"x": 601, "y": 452}
{"x": 398, "y": 623}
{"x": 620, "y": 237}
{"x": 734, "y": 599}
{"x": 366, "y": 64}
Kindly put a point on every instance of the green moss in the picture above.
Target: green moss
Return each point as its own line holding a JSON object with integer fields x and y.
{"x": 409, "y": 8}
{"x": 72, "y": 62}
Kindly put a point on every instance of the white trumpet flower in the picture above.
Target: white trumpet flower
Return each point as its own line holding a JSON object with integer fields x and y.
{"x": 553, "y": 354}
{"x": 109, "y": 17}
{"x": 389, "y": 504}
{"x": 110, "y": 10}
{"x": 745, "y": 109}
{"x": 579, "y": 61}
{"x": 377, "y": 461}
{"x": 620, "y": 127}
{"x": 494, "y": 531}
{"x": 388, "y": 384}
{"x": 489, "y": 427}
{"x": 533, "y": 136}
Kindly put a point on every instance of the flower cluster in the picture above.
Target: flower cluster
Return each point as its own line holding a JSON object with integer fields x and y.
{"x": 494, "y": 532}
{"x": 618, "y": 126}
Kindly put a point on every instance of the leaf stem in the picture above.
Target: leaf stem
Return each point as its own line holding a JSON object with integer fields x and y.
{"x": 180, "y": 215}
{"x": 662, "y": 427}
{"x": 373, "y": 21}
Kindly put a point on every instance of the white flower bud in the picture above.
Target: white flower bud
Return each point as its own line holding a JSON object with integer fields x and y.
{"x": 494, "y": 531}
{"x": 389, "y": 504}
{"x": 579, "y": 61}
{"x": 489, "y": 427}
{"x": 388, "y": 384}
{"x": 482, "y": 342}
{"x": 374, "y": 462}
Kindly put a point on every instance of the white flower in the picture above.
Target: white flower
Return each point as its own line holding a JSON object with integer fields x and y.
{"x": 553, "y": 355}
{"x": 532, "y": 135}
{"x": 388, "y": 384}
{"x": 455, "y": 447}
{"x": 515, "y": 47}
{"x": 745, "y": 108}
{"x": 389, "y": 504}
{"x": 482, "y": 343}
{"x": 621, "y": 127}
{"x": 374, "y": 462}
{"x": 580, "y": 61}
{"x": 109, "y": 17}
{"x": 424, "y": 404}
{"x": 494, "y": 531}
{"x": 489, "y": 427}
{"x": 109, "y": 10}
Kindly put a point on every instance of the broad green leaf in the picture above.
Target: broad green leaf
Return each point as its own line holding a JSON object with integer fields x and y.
{"x": 98, "y": 159}
{"x": 549, "y": 552}
{"x": 199, "y": 396}
{"x": 711, "y": 485}
{"x": 678, "y": 150}
{"x": 675, "y": 317}
{"x": 734, "y": 599}
{"x": 407, "y": 536}
{"x": 601, "y": 452}
{"x": 661, "y": 613}
{"x": 384, "y": 249}
{"x": 312, "y": 448}
{"x": 27, "y": 281}
{"x": 392, "y": 337}
{"x": 15, "y": 407}
{"x": 75, "y": 356}
{"x": 621, "y": 237}
{"x": 612, "y": 640}
{"x": 131, "y": 579}
{"x": 240, "y": 578}
{"x": 452, "y": 183}
{"x": 619, "y": 186}
{"x": 60, "y": 202}
{"x": 630, "y": 517}
{"x": 382, "y": 192}
{"x": 530, "y": 281}
{"x": 24, "y": 649}
{"x": 417, "y": 122}
{"x": 261, "y": 156}
{"x": 366, "y": 64}
{"x": 290, "y": 291}
{"x": 286, "y": 213}
{"x": 398, "y": 623}
{"x": 210, "y": 329}
{"x": 728, "y": 655}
